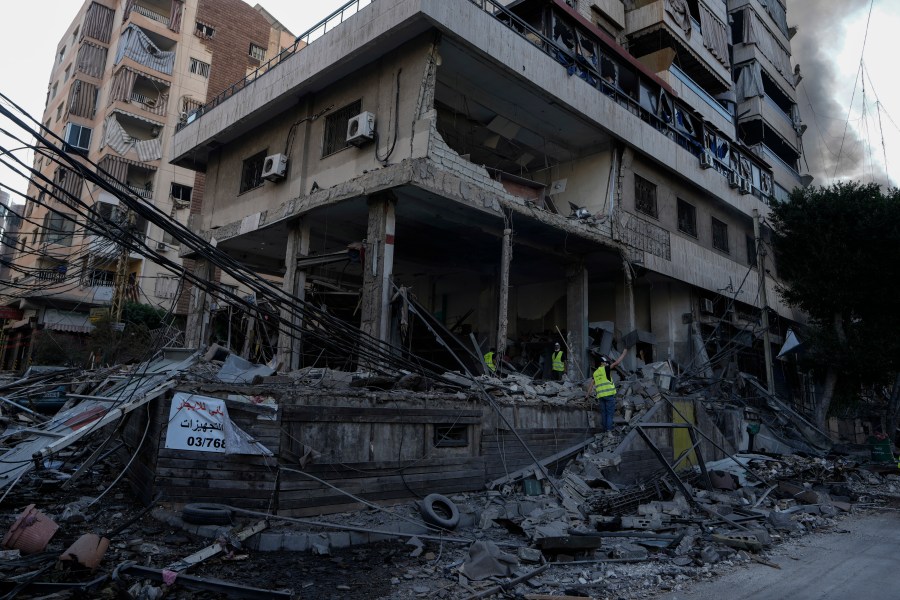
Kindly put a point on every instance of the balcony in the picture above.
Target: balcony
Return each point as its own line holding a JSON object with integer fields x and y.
{"x": 699, "y": 98}
{"x": 157, "y": 14}
{"x": 146, "y": 48}
{"x": 651, "y": 29}
{"x": 150, "y": 14}
{"x": 133, "y": 137}
{"x": 765, "y": 109}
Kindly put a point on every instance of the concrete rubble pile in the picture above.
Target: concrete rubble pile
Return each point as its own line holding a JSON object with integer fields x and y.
{"x": 569, "y": 528}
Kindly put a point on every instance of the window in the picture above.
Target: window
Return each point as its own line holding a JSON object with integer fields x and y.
{"x": 66, "y": 73}
{"x": 687, "y": 218}
{"x": 181, "y": 192}
{"x": 203, "y": 30}
{"x": 62, "y": 54}
{"x": 645, "y": 196}
{"x": 75, "y": 36}
{"x": 251, "y": 173}
{"x": 451, "y": 435}
{"x": 720, "y": 235}
{"x": 336, "y": 128}
{"x": 751, "y": 251}
{"x": 59, "y": 110}
{"x": 58, "y": 228}
{"x": 53, "y": 90}
{"x": 257, "y": 52}
{"x": 198, "y": 67}
{"x": 77, "y": 136}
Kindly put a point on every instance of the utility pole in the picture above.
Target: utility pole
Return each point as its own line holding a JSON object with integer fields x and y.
{"x": 121, "y": 280}
{"x": 761, "y": 270}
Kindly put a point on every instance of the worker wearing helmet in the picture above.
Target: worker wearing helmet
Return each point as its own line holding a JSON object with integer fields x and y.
{"x": 605, "y": 389}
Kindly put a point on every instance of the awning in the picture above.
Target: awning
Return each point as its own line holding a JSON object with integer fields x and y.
{"x": 57, "y": 320}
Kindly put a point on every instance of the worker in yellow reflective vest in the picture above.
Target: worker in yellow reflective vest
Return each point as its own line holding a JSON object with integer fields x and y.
{"x": 489, "y": 360}
{"x": 605, "y": 390}
{"x": 558, "y": 365}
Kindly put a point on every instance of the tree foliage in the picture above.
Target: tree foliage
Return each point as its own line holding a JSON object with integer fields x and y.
{"x": 837, "y": 251}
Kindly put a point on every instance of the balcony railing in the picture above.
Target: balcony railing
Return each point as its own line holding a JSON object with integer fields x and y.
{"x": 779, "y": 110}
{"x": 768, "y": 154}
{"x": 50, "y": 275}
{"x": 142, "y": 192}
{"x": 704, "y": 95}
{"x": 303, "y": 40}
{"x": 155, "y": 16}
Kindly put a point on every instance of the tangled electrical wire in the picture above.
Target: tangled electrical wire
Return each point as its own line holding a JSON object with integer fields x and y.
{"x": 294, "y": 316}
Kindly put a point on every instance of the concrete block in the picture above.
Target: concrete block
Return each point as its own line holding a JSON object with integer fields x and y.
{"x": 296, "y": 542}
{"x": 270, "y": 541}
{"x": 339, "y": 539}
{"x": 358, "y": 538}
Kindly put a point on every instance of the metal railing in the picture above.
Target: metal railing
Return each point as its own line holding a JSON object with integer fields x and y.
{"x": 704, "y": 95}
{"x": 578, "y": 65}
{"x": 302, "y": 41}
{"x": 142, "y": 192}
{"x": 50, "y": 275}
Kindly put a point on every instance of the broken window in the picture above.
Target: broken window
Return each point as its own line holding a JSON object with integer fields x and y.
{"x": 448, "y": 436}
{"x": 645, "y": 196}
{"x": 181, "y": 193}
{"x": 203, "y": 30}
{"x": 720, "y": 235}
{"x": 687, "y": 218}
{"x": 257, "y": 52}
{"x": 336, "y": 128}
{"x": 58, "y": 228}
{"x": 251, "y": 173}
{"x": 751, "y": 251}
{"x": 198, "y": 67}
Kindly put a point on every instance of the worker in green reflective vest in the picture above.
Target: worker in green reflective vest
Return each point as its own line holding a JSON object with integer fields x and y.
{"x": 558, "y": 365}
{"x": 489, "y": 360}
{"x": 605, "y": 389}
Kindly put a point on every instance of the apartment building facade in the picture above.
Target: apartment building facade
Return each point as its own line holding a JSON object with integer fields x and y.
{"x": 126, "y": 73}
{"x": 590, "y": 169}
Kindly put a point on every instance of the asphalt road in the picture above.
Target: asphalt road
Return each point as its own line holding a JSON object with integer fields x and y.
{"x": 858, "y": 560}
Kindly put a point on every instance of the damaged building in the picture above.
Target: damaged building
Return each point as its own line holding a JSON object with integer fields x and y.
{"x": 530, "y": 173}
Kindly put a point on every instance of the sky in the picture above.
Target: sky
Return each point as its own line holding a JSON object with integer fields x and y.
{"x": 860, "y": 141}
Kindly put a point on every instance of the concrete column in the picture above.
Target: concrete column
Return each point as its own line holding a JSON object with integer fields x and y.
{"x": 578, "y": 366}
{"x": 503, "y": 314}
{"x": 379, "y": 267}
{"x": 196, "y": 329}
{"x": 289, "y": 343}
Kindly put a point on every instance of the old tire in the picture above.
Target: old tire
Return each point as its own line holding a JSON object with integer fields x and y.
{"x": 439, "y": 511}
{"x": 206, "y": 514}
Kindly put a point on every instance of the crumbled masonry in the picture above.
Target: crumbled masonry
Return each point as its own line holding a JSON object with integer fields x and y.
{"x": 591, "y": 534}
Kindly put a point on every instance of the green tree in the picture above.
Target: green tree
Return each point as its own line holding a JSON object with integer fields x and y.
{"x": 837, "y": 250}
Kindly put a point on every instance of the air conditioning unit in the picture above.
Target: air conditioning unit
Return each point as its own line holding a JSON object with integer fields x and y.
{"x": 706, "y": 160}
{"x": 734, "y": 179}
{"x": 162, "y": 246}
{"x": 274, "y": 167}
{"x": 745, "y": 186}
{"x": 706, "y": 306}
{"x": 361, "y": 129}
